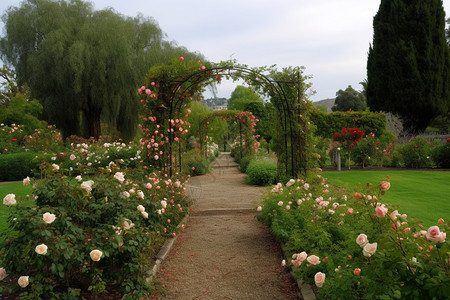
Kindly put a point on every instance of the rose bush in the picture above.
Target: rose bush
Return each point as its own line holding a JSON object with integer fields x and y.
{"x": 82, "y": 235}
{"x": 374, "y": 252}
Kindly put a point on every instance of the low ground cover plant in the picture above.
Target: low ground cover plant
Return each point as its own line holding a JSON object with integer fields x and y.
{"x": 352, "y": 245}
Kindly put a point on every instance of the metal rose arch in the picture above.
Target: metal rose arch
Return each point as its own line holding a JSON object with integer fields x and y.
{"x": 181, "y": 83}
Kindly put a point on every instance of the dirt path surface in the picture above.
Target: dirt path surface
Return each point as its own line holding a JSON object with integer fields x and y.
{"x": 224, "y": 252}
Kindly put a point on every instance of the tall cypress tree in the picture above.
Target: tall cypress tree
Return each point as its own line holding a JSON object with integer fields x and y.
{"x": 408, "y": 66}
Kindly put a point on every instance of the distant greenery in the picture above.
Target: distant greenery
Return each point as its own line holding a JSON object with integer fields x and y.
{"x": 420, "y": 194}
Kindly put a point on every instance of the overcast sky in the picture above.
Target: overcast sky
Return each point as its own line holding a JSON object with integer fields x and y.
{"x": 330, "y": 38}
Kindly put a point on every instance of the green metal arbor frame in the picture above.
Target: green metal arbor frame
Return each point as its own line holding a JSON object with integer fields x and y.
{"x": 291, "y": 152}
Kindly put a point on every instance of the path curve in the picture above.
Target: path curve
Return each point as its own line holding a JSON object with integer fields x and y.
{"x": 224, "y": 252}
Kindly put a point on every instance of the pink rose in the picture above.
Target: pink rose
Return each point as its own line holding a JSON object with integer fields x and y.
{"x": 362, "y": 240}
{"x": 357, "y": 271}
{"x": 370, "y": 249}
{"x": 2, "y": 273}
{"x": 435, "y": 235}
{"x": 319, "y": 279}
{"x": 381, "y": 211}
{"x": 313, "y": 259}
{"x": 48, "y": 218}
{"x": 350, "y": 211}
{"x": 394, "y": 215}
{"x": 72, "y": 157}
{"x": 441, "y": 221}
{"x": 385, "y": 185}
{"x": 41, "y": 249}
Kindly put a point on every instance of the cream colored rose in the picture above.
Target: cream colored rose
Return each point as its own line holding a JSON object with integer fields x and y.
{"x": 140, "y": 194}
{"x": 96, "y": 255}
{"x": 87, "y": 185}
{"x": 23, "y": 281}
{"x": 144, "y": 214}
{"x": 119, "y": 176}
{"x": 125, "y": 195}
{"x": 48, "y": 218}
{"x": 319, "y": 279}
{"x": 41, "y": 249}
{"x": 55, "y": 167}
{"x": 313, "y": 259}
{"x": 370, "y": 249}
{"x": 79, "y": 178}
{"x": 362, "y": 240}
{"x": 26, "y": 181}
{"x": 9, "y": 200}
{"x": 290, "y": 183}
{"x": 140, "y": 208}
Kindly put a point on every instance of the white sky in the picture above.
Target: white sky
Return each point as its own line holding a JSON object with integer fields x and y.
{"x": 330, "y": 38}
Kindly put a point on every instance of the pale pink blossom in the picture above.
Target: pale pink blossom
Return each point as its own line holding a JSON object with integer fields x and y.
{"x": 319, "y": 279}
{"x": 381, "y": 211}
{"x": 280, "y": 203}
{"x": 26, "y": 181}
{"x": 119, "y": 176}
{"x": 144, "y": 214}
{"x": 384, "y": 186}
{"x": 72, "y": 156}
{"x": 435, "y": 235}
{"x": 370, "y": 249}
{"x": 163, "y": 203}
{"x": 9, "y": 200}
{"x": 362, "y": 240}
{"x": 140, "y": 194}
{"x": 290, "y": 183}
{"x": 140, "y": 208}
{"x": 2, "y": 274}
{"x": 313, "y": 259}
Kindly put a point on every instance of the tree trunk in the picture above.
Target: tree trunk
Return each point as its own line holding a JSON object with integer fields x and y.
{"x": 92, "y": 126}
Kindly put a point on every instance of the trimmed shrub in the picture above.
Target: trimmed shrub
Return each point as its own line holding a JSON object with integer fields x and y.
{"x": 243, "y": 164}
{"x": 17, "y": 166}
{"x": 416, "y": 153}
{"x": 441, "y": 155}
{"x": 262, "y": 172}
{"x": 195, "y": 164}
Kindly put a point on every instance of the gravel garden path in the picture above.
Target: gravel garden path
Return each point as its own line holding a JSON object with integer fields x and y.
{"x": 224, "y": 252}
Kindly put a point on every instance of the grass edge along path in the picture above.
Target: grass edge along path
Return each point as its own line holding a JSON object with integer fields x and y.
{"x": 423, "y": 195}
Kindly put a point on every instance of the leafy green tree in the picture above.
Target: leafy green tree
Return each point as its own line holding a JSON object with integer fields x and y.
{"x": 408, "y": 67}
{"x": 23, "y": 112}
{"x": 349, "y": 99}
{"x": 241, "y": 96}
{"x": 83, "y": 65}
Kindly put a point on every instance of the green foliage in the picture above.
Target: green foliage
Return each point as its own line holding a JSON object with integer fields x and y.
{"x": 349, "y": 100}
{"x": 372, "y": 150}
{"x": 321, "y": 224}
{"x": 417, "y": 153}
{"x": 262, "y": 172}
{"x": 17, "y": 166}
{"x": 441, "y": 155}
{"x": 408, "y": 67}
{"x": 195, "y": 164}
{"x": 83, "y": 65}
{"x": 328, "y": 124}
{"x": 244, "y": 163}
{"x": 242, "y": 96}
{"x": 21, "y": 111}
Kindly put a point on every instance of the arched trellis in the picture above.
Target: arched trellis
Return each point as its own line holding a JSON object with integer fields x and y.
{"x": 246, "y": 121}
{"x": 175, "y": 88}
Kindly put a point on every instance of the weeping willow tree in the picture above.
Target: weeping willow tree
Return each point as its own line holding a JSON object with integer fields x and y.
{"x": 83, "y": 65}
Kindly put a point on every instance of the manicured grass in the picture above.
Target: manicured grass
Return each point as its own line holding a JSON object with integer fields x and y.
{"x": 21, "y": 193}
{"x": 424, "y": 195}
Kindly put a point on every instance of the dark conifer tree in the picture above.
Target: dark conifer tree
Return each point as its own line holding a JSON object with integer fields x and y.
{"x": 408, "y": 67}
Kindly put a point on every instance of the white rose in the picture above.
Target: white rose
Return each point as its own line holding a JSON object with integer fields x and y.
{"x": 126, "y": 194}
{"x": 9, "y": 199}
{"x": 140, "y": 208}
{"x": 370, "y": 249}
{"x": 163, "y": 203}
{"x": 259, "y": 208}
{"x": 140, "y": 194}
{"x": 290, "y": 182}
{"x": 144, "y": 214}
{"x": 87, "y": 185}
{"x": 48, "y": 218}
{"x": 96, "y": 255}
{"x": 26, "y": 181}
{"x": 119, "y": 176}
{"x": 78, "y": 178}
{"x": 23, "y": 281}
{"x": 41, "y": 249}
{"x": 362, "y": 240}
{"x": 55, "y": 167}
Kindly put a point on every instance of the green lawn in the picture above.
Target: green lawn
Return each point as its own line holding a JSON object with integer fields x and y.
{"x": 424, "y": 195}
{"x": 20, "y": 191}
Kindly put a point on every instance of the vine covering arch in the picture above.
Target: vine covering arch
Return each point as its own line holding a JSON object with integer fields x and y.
{"x": 169, "y": 89}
